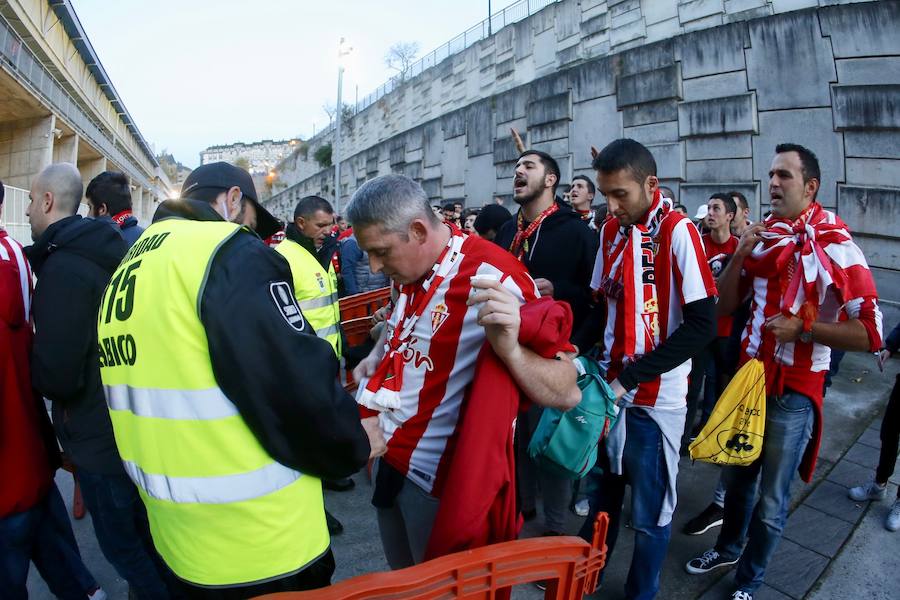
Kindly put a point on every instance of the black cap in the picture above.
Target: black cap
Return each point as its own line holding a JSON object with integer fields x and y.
{"x": 207, "y": 181}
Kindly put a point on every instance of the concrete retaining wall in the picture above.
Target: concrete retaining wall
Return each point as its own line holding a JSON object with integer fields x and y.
{"x": 710, "y": 86}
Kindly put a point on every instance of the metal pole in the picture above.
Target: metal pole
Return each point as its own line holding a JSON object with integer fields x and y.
{"x": 336, "y": 149}
{"x": 489, "y": 19}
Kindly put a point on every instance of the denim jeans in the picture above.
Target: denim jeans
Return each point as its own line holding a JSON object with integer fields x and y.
{"x": 42, "y": 534}
{"x": 123, "y": 532}
{"x": 789, "y": 421}
{"x": 644, "y": 469}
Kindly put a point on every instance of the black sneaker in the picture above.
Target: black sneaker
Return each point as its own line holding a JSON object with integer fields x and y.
{"x": 710, "y": 561}
{"x": 711, "y": 517}
{"x": 339, "y": 485}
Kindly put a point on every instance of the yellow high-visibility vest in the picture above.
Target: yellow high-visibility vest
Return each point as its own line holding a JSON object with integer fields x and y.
{"x": 222, "y": 511}
{"x": 316, "y": 291}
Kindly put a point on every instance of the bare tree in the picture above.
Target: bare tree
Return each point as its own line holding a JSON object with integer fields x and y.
{"x": 330, "y": 110}
{"x": 400, "y": 57}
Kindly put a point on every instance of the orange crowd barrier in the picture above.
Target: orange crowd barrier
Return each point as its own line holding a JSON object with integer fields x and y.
{"x": 364, "y": 304}
{"x": 569, "y": 566}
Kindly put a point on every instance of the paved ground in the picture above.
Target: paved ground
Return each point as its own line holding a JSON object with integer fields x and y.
{"x": 832, "y": 546}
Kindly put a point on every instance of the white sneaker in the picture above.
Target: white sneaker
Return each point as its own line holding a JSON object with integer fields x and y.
{"x": 869, "y": 491}
{"x": 741, "y": 595}
{"x": 892, "y": 522}
{"x": 582, "y": 507}
{"x": 98, "y": 594}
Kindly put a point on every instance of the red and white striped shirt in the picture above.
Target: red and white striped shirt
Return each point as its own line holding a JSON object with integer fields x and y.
{"x": 681, "y": 277}
{"x": 12, "y": 253}
{"x": 439, "y": 363}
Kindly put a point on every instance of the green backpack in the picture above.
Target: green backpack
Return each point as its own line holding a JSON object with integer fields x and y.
{"x": 566, "y": 442}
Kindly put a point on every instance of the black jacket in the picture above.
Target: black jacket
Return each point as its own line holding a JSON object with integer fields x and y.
{"x": 284, "y": 382}
{"x": 562, "y": 250}
{"x": 73, "y": 261}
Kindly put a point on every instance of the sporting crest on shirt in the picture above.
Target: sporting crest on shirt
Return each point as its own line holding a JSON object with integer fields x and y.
{"x": 439, "y": 314}
{"x": 321, "y": 281}
{"x": 287, "y": 305}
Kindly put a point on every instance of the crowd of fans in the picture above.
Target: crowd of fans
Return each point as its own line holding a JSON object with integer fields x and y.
{"x": 487, "y": 308}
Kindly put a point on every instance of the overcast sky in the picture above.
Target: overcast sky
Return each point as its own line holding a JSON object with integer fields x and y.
{"x": 195, "y": 73}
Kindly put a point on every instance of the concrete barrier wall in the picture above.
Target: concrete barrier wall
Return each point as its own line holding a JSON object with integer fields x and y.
{"x": 709, "y": 86}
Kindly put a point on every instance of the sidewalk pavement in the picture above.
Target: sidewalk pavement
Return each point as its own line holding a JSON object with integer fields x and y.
{"x": 831, "y": 545}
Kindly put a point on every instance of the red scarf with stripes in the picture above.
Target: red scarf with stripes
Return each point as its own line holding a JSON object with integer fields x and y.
{"x": 520, "y": 243}
{"x": 808, "y": 255}
{"x": 636, "y": 278}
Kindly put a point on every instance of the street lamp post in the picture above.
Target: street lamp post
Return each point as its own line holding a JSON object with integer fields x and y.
{"x": 336, "y": 148}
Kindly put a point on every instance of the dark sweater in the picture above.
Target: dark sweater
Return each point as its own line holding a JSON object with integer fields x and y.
{"x": 562, "y": 250}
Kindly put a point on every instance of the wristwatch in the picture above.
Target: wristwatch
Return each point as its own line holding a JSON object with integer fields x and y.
{"x": 806, "y": 335}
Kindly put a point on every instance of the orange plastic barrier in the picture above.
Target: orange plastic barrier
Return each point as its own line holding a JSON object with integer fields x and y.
{"x": 569, "y": 565}
{"x": 364, "y": 304}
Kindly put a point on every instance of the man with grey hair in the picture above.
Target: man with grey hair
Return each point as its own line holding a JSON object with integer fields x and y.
{"x": 73, "y": 259}
{"x": 453, "y": 294}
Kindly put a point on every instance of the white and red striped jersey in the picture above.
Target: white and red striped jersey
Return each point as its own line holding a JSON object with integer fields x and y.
{"x": 682, "y": 276}
{"x": 439, "y": 363}
{"x": 11, "y": 252}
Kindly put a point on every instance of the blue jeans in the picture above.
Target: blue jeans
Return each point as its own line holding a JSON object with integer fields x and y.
{"x": 644, "y": 469}
{"x": 789, "y": 421}
{"x": 123, "y": 532}
{"x": 42, "y": 534}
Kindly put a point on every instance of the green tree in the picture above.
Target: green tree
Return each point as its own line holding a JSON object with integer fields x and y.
{"x": 323, "y": 155}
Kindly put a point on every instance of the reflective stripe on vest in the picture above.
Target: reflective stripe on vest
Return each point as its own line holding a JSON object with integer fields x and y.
{"x": 170, "y": 404}
{"x": 213, "y": 490}
{"x": 320, "y": 302}
{"x": 316, "y": 290}
{"x": 208, "y": 485}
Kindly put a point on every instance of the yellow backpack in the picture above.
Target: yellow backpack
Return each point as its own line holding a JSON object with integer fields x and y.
{"x": 733, "y": 435}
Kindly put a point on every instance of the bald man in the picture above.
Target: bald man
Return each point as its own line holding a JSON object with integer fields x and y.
{"x": 73, "y": 259}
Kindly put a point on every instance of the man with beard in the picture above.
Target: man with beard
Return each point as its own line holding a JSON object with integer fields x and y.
{"x": 802, "y": 270}
{"x": 558, "y": 250}
{"x": 660, "y": 302}
{"x": 581, "y": 195}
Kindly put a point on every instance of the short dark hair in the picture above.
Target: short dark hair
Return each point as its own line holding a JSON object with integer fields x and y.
{"x": 590, "y": 184}
{"x": 112, "y": 189}
{"x": 551, "y": 167}
{"x": 626, "y": 154}
{"x": 310, "y": 205}
{"x": 739, "y": 198}
{"x": 727, "y": 201}
{"x": 808, "y": 161}
{"x": 449, "y": 206}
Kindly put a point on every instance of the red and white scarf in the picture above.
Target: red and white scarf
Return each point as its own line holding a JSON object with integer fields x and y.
{"x": 808, "y": 255}
{"x": 635, "y": 279}
{"x": 382, "y": 391}
{"x": 519, "y": 245}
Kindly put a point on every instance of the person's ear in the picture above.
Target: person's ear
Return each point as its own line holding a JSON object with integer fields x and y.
{"x": 418, "y": 231}
{"x": 47, "y": 202}
{"x": 651, "y": 184}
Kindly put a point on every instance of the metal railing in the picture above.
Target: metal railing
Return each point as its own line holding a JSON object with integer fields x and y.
{"x": 509, "y": 15}
{"x": 13, "y": 218}
{"x": 29, "y": 70}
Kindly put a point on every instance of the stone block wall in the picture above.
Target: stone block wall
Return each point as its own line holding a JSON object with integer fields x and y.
{"x": 710, "y": 86}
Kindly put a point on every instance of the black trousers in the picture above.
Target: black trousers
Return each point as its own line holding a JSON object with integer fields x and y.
{"x": 890, "y": 436}
{"x": 317, "y": 575}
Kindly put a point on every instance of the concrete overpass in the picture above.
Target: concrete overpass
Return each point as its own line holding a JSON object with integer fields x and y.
{"x": 57, "y": 104}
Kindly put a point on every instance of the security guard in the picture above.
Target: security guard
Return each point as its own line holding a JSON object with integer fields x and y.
{"x": 315, "y": 282}
{"x": 225, "y": 407}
